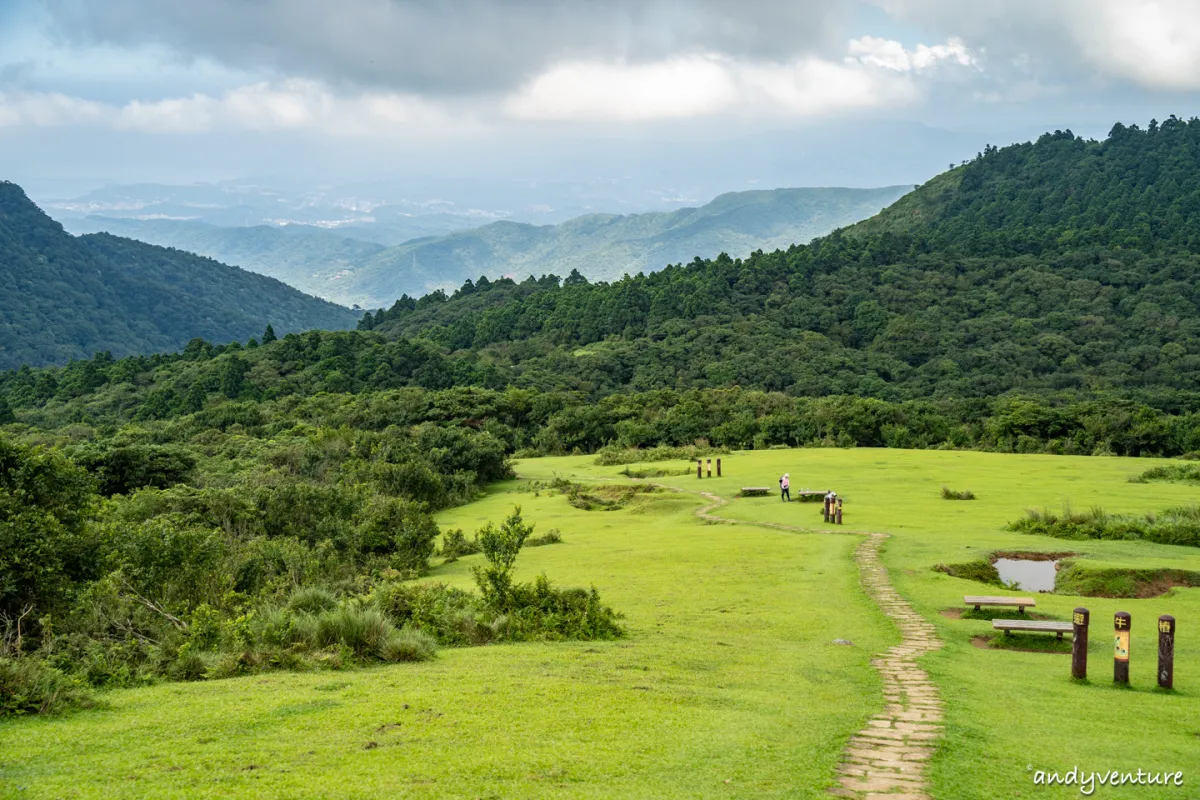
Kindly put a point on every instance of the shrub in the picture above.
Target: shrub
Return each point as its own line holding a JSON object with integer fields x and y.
{"x": 950, "y": 494}
{"x": 455, "y": 544}
{"x": 30, "y": 686}
{"x": 408, "y": 644}
{"x": 1174, "y": 473}
{"x": 551, "y": 536}
{"x": 500, "y": 547}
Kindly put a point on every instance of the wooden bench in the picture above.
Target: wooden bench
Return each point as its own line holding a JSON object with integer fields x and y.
{"x": 1007, "y": 625}
{"x": 1020, "y": 603}
{"x": 810, "y": 496}
{"x": 755, "y": 491}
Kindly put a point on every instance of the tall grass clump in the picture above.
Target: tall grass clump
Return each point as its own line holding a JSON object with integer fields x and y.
{"x": 1171, "y": 473}
{"x": 30, "y": 686}
{"x": 950, "y": 494}
{"x": 612, "y": 456}
{"x": 1174, "y": 526}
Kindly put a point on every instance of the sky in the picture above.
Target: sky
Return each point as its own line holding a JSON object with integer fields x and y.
{"x": 178, "y": 90}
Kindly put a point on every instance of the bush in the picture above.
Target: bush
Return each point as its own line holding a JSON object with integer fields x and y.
{"x": 551, "y": 536}
{"x": 949, "y": 494}
{"x": 30, "y": 686}
{"x": 455, "y": 545}
{"x": 408, "y": 644}
{"x": 1173, "y": 473}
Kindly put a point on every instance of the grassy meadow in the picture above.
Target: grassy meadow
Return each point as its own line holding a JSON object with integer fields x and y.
{"x": 727, "y": 684}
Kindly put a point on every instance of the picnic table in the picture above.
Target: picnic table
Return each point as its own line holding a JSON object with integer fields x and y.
{"x": 1048, "y": 626}
{"x": 1020, "y": 603}
{"x": 755, "y": 491}
{"x": 810, "y": 495}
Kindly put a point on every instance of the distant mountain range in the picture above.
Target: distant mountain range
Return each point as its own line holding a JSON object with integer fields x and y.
{"x": 339, "y": 266}
{"x": 69, "y": 297}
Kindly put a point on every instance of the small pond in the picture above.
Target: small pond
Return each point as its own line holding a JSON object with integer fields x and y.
{"x": 1027, "y": 575}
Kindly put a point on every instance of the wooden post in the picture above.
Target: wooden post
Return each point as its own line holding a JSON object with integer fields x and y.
{"x": 839, "y": 511}
{"x": 699, "y": 464}
{"x": 718, "y": 467}
{"x": 1079, "y": 643}
{"x": 709, "y": 460}
{"x": 826, "y": 508}
{"x": 1121, "y": 623}
{"x": 1166, "y": 652}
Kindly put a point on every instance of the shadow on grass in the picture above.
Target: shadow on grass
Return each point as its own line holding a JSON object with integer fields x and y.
{"x": 989, "y": 614}
{"x": 1031, "y": 643}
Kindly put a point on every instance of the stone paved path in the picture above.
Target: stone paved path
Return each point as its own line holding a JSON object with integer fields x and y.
{"x": 886, "y": 759}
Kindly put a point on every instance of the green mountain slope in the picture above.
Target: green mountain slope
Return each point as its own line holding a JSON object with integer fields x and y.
{"x": 311, "y": 259}
{"x": 606, "y": 246}
{"x": 68, "y": 297}
{"x": 1027, "y": 269}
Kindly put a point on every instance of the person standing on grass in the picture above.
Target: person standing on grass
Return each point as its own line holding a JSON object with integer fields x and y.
{"x": 785, "y": 486}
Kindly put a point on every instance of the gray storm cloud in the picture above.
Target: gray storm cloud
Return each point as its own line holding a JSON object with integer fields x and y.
{"x": 448, "y": 46}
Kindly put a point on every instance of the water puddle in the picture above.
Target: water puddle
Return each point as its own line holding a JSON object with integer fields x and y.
{"x": 1027, "y": 575}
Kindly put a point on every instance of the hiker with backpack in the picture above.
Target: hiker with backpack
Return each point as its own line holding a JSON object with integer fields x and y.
{"x": 785, "y": 486}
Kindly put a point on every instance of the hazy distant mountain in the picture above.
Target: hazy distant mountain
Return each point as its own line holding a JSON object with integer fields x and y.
{"x": 311, "y": 259}
{"x": 606, "y": 246}
{"x": 69, "y": 297}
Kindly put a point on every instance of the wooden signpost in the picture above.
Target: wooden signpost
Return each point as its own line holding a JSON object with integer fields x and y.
{"x": 1121, "y": 622}
{"x": 1166, "y": 651}
{"x": 1079, "y": 643}
{"x": 718, "y": 467}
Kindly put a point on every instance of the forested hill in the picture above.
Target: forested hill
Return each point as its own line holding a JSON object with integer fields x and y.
{"x": 1058, "y": 265}
{"x": 69, "y": 297}
{"x": 1139, "y": 188}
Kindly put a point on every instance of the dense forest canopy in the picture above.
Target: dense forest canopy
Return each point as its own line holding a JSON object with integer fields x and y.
{"x": 69, "y": 297}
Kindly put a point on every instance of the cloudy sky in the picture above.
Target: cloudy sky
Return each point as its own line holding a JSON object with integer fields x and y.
{"x": 188, "y": 90}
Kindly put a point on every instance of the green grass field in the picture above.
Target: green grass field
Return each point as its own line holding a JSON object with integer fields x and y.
{"x": 727, "y": 684}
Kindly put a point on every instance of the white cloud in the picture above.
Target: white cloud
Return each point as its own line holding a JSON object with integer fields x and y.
{"x": 890, "y": 54}
{"x": 878, "y": 72}
{"x": 1151, "y": 43}
{"x": 292, "y": 104}
{"x": 678, "y": 87}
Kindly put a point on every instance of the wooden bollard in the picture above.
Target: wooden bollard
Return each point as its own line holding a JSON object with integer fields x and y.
{"x": 718, "y": 467}
{"x": 1166, "y": 652}
{"x": 709, "y": 460}
{"x": 699, "y": 464}
{"x": 1121, "y": 623}
{"x": 1079, "y": 643}
{"x": 839, "y": 511}
{"x": 827, "y": 508}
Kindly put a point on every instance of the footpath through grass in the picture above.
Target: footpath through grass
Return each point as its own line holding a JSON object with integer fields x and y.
{"x": 728, "y": 685}
{"x": 1008, "y": 713}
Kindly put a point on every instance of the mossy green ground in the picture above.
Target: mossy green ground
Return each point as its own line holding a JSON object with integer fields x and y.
{"x": 727, "y": 685}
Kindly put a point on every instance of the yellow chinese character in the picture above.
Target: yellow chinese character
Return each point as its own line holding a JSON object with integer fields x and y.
{"x": 1079, "y": 619}
{"x": 1119, "y": 622}
{"x": 1164, "y": 626}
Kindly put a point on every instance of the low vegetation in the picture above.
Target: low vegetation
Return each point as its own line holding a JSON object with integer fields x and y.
{"x": 950, "y": 494}
{"x": 1174, "y": 526}
{"x": 981, "y": 570}
{"x": 1171, "y": 473}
